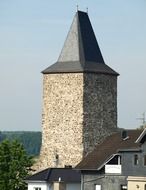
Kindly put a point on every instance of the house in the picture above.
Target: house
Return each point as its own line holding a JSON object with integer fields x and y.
{"x": 55, "y": 179}
{"x": 121, "y": 157}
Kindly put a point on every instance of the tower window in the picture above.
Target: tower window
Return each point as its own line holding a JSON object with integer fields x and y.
{"x": 135, "y": 159}
{"x": 57, "y": 156}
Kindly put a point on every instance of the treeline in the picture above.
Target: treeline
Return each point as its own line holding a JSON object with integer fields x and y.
{"x": 30, "y": 140}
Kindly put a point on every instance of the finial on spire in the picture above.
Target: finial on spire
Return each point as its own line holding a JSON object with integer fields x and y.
{"x": 77, "y": 8}
{"x": 87, "y": 10}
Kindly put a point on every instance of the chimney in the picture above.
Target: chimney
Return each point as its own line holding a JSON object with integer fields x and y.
{"x": 58, "y": 185}
{"x": 124, "y": 135}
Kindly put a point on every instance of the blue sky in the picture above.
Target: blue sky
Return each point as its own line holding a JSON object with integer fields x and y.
{"x": 32, "y": 33}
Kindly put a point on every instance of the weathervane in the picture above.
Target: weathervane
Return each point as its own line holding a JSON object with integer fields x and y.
{"x": 87, "y": 10}
{"x": 77, "y": 8}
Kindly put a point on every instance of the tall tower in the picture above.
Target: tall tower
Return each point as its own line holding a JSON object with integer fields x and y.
{"x": 79, "y": 98}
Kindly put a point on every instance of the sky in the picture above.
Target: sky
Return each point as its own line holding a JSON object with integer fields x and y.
{"x": 32, "y": 33}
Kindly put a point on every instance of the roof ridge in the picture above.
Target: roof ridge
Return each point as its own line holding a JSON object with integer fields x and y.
{"x": 48, "y": 173}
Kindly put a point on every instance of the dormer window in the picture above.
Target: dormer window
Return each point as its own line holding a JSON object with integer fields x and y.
{"x": 114, "y": 165}
{"x": 116, "y": 160}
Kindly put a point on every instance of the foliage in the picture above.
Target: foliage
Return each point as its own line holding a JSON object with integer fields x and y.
{"x": 30, "y": 140}
{"x": 15, "y": 165}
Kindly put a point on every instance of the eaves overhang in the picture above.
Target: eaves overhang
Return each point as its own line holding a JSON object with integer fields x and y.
{"x": 130, "y": 150}
{"x": 35, "y": 181}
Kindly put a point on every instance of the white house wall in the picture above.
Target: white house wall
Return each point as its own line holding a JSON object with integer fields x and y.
{"x": 43, "y": 186}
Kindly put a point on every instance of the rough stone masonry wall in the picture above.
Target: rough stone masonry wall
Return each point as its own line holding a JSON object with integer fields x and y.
{"x": 100, "y": 108}
{"x": 79, "y": 111}
{"x": 62, "y": 120}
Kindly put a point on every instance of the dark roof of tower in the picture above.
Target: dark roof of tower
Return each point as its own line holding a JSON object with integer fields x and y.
{"x": 53, "y": 174}
{"x": 80, "y": 52}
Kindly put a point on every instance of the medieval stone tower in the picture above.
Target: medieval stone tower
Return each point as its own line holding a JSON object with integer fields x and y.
{"x": 79, "y": 99}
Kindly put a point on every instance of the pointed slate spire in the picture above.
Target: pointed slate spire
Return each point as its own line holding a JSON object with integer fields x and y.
{"x": 80, "y": 52}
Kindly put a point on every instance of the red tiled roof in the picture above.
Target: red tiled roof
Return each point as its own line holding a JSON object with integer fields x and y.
{"x": 110, "y": 146}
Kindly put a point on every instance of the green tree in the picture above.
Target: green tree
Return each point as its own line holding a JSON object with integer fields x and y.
{"x": 15, "y": 165}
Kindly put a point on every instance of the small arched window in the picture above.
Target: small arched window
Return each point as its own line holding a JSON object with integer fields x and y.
{"x": 135, "y": 159}
{"x": 144, "y": 160}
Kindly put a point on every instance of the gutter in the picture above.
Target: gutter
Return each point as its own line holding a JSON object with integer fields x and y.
{"x": 34, "y": 181}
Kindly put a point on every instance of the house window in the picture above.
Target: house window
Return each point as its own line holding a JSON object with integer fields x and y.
{"x": 116, "y": 160}
{"x": 97, "y": 187}
{"x": 37, "y": 188}
{"x": 123, "y": 187}
{"x": 135, "y": 159}
{"x": 144, "y": 160}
